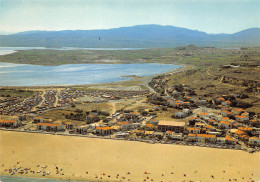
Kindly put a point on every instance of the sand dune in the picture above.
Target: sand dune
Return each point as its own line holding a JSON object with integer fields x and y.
{"x": 76, "y": 155}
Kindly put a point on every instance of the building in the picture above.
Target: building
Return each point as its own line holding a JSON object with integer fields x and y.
{"x": 174, "y": 136}
{"x": 202, "y": 138}
{"x": 103, "y": 130}
{"x": 194, "y": 130}
{"x": 37, "y": 120}
{"x": 175, "y": 126}
{"x": 9, "y": 123}
{"x": 254, "y": 141}
{"x": 50, "y": 126}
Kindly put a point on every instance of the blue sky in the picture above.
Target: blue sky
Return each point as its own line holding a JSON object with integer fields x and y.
{"x": 211, "y": 16}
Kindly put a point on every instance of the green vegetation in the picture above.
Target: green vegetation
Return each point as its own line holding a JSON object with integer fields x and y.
{"x": 15, "y": 93}
{"x": 182, "y": 55}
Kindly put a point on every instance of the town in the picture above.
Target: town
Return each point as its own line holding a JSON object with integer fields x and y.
{"x": 195, "y": 121}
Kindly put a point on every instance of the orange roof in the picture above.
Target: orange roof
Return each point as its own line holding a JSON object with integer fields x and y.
{"x": 204, "y": 113}
{"x": 237, "y": 116}
{"x": 192, "y": 135}
{"x": 48, "y": 124}
{"x": 228, "y": 101}
{"x": 91, "y": 115}
{"x": 139, "y": 131}
{"x": 221, "y": 98}
{"x": 237, "y": 109}
{"x": 239, "y": 132}
{"x": 103, "y": 128}
{"x": 206, "y": 136}
{"x": 149, "y": 125}
{"x": 58, "y": 121}
{"x": 244, "y": 129}
{"x": 68, "y": 123}
{"x": 226, "y": 118}
{"x": 170, "y": 132}
{"x": 254, "y": 138}
{"x": 209, "y": 126}
{"x": 123, "y": 123}
{"x": 197, "y": 129}
{"x": 37, "y": 117}
{"x": 8, "y": 121}
{"x": 194, "y": 118}
{"x": 224, "y": 122}
{"x": 228, "y": 138}
{"x": 148, "y": 132}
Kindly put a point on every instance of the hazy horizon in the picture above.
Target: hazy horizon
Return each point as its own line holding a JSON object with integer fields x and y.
{"x": 129, "y": 26}
{"x": 210, "y": 16}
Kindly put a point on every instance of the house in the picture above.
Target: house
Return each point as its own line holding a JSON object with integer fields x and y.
{"x": 224, "y": 124}
{"x": 204, "y": 114}
{"x": 256, "y": 131}
{"x": 82, "y": 129}
{"x": 226, "y": 113}
{"x": 237, "y": 111}
{"x": 241, "y": 118}
{"x": 149, "y": 126}
{"x": 50, "y": 126}
{"x": 226, "y": 103}
{"x": 69, "y": 125}
{"x": 200, "y": 125}
{"x": 220, "y": 140}
{"x": 158, "y": 134}
{"x": 179, "y": 114}
{"x": 221, "y": 99}
{"x": 105, "y": 130}
{"x": 139, "y": 132}
{"x": 9, "y": 123}
{"x": 254, "y": 141}
{"x": 122, "y": 135}
{"x": 204, "y": 138}
{"x": 148, "y": 133}
{"x": 246, "y": 129}
{"x": 175, "y": 126}
{"x": 193, "y": 130}
{"x": 124, "y": 125}
{"x": 37, "y": 120}
{"x": 192, "y": 137}
{"x": 174, "y": 136}
{"x": 201, "y": 138}
{"x": 229, "y": 140}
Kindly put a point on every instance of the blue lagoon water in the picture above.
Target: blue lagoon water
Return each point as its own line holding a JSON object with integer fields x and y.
{"x": 74, "y": 74}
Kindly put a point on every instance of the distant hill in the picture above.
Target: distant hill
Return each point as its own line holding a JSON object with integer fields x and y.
{"x": 142, "y": 36}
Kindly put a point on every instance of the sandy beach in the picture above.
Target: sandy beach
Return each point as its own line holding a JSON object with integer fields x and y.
{"x": 83, "y": 158}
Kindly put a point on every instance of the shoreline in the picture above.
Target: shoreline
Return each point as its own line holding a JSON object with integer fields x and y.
{"x": 148, "y": 141}
{"x": 75, "y": 155}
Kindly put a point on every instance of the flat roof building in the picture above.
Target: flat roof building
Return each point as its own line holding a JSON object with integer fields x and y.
{"x": 175, "y": 126}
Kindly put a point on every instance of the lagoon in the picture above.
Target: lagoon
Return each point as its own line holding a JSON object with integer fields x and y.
{"x": 75, "y": 74}
{"x": 10, "y": 50}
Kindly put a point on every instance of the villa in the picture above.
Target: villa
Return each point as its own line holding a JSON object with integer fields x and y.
{"x": 105, "y": 130}
{"x": 9, "y": 123}
{"x": 175, "y": 126}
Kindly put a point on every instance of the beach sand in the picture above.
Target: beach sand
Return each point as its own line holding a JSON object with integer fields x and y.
{"x": 103, "y": 157}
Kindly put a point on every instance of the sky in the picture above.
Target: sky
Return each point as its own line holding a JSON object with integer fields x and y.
{"x": 211, "y": 16}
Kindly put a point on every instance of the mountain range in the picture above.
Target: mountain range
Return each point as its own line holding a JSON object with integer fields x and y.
{"x": 139, "y": 36}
